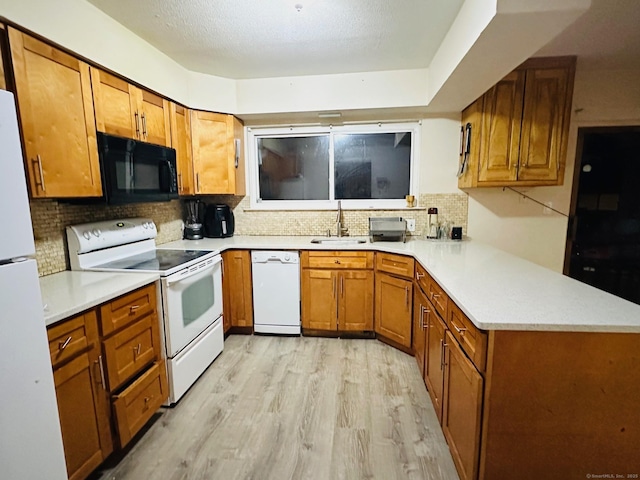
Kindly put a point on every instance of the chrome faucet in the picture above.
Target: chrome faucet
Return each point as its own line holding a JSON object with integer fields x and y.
{"x": 341, "y": 230}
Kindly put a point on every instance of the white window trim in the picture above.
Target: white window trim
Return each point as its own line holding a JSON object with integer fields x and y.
{"x": 253, "y": 133}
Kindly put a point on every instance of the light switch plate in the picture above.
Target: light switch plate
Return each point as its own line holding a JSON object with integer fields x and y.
{"x": 411, "y": 224}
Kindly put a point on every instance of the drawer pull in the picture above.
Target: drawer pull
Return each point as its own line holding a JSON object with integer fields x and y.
{"x": 435, "y": 295}
{"x": 102, "y": 381}
{"x": 133, "y": 308}
{"x": 146, "y": 402}
{"x": 419, "y": 275}
{"x": 442, "y": 344}
{"x": 458, "y": 329}
{"x": 337, "y": 261}
{"x": 136, "y": 349}
{"x": 428, "y": 312}
{"x": 63, "y": 345}
{"x": 406, "y": 296}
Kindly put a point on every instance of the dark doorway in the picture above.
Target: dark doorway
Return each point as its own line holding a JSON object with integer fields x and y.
{"x": 603, "y": 241}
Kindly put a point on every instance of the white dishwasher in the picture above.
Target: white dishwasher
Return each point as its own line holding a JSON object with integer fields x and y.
{"x": 276, "y": 292}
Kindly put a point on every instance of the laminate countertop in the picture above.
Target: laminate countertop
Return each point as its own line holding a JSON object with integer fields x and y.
{"x": 496, "y": 290}
{"x": 67, "y": 293}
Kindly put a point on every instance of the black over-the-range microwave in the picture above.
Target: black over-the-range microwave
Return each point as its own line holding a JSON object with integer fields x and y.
{"x": 134, "y": 171}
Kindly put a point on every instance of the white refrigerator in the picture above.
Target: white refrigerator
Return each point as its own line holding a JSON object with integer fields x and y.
{"x": 30, "y": 437}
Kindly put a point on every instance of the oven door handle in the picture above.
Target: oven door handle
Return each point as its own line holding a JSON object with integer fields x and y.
{"x": 180, "y": 276}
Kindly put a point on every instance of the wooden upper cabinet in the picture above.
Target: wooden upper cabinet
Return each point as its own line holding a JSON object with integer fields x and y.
{"x": 501, "y": 129}
{"x": 181, "y": 141}
{"x": 470, "y": 144}
{"x": 57, "y": 119}
{"x": 218, "y": 162}
{"x": 523, "y": 124}
{"x": 545, "y": 119}
{"x": 127, "y": 111}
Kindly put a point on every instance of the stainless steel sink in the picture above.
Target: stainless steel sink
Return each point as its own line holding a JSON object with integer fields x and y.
{"x": 338, "y": 241}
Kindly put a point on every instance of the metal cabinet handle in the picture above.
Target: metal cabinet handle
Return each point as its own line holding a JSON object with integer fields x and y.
{"x": 147, "y": 400}
{"x": 421, "y": 316}
{"x": 137, "y": 124}
{"x": 334, "y": 286}
{"x": 341, "y": 286}
{"x": 102, "y": 380}
{"x": 198, "y": 182}
{"x": 406, "y": 296}
{"x": 136, "y": 350}
{"x": 425, "y": 325}
{"x": 441, "y": 353}
{"x": 133, "y": 308}
{"x": 38, "y": 161}
{"x": 63, "y": 345}
{"x": 460, "y": 330}
{"x": 419, "y": 275}
{"x": 144, "y": 125}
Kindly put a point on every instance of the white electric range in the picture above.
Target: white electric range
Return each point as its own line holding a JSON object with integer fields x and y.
{"x": 191, "y": 289}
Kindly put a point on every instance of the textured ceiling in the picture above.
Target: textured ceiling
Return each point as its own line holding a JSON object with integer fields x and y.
{"x": 272, "y": 38}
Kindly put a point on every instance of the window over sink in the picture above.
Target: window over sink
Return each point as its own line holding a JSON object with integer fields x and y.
{"x": 363, "y": 166}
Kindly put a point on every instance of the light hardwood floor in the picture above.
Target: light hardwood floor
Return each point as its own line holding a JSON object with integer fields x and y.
{"x": 296, "y": 408}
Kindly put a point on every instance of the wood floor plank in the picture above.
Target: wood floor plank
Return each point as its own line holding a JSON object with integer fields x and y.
{"x": 295, "y": 408}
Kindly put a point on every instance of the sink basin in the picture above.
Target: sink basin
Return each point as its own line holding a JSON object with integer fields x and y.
{"x": 338, "y": 241}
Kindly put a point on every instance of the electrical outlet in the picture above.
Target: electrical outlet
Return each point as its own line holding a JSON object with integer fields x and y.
{"x": 411, "y": 224}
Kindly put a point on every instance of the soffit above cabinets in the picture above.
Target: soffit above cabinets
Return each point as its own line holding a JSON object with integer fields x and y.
{"x": 243, "y": 39}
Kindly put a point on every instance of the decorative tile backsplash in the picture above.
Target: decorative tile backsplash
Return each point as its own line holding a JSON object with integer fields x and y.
{"x": 452, "y": 209}
{"x": 50, "y": 217}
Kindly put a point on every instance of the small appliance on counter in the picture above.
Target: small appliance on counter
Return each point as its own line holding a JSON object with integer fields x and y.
{"x": 456, "y": 233}
{"x": 387, "y": 229}
{"x": 218, "y": 221}
{"x": 193, "y": 228}
{"x": 432, "y": 223}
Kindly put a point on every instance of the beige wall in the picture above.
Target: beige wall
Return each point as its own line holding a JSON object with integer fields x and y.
{"x": 505, "y": 220}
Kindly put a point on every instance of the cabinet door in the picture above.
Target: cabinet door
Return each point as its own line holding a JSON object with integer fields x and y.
{"x": 154, "y": 118}
{"x": 116, "y": 105}
{"x": 546, "y": 109}
{"x": 501, "y": 124}
{"x": 181, "y": 141}
{"x": 393, "y": 308}
{"x": 240, "y": 187}
{"x": 237, "y": 288}
{"x": 319, "y": 299}
{"x": 462, "y": 409}
{"x": 355, "y": 305}
{"x": 420, "y": 329}
{"x": 434, "y": 360}
{"x": 470, "y": 143}
{"x": 58, "y": 124}
{"x": 211, "y": 135}
{"x": 84, "y": 414}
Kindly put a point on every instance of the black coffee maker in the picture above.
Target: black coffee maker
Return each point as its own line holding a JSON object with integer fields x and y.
{"x": 218, "y": 221}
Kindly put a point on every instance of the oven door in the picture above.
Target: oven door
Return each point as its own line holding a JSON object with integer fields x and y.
{"x": 192, "y": 300}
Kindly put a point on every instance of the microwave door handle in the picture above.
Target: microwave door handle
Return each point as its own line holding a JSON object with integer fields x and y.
{"x": 165, "y": 180}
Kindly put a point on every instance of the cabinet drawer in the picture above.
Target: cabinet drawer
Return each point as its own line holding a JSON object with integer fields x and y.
{"x": 395, "y": 264}
{"x": 336, "y": 260}
{"x": 127, "y": 309}
{"x": 130, "y": 350}
{"x": 137, "y": 403}
{"x": 422, "y": 278}
{"x": 437, "y": 296}
{"x": 472, "y": 340}
{"x": 71, "y": 337}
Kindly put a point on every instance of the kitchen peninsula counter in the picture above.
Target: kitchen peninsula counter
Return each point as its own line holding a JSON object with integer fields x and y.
{"x": 496, "y": 290}
{"x": 67, "y": 293}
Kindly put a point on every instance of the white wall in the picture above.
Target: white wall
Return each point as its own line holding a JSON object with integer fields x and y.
{"x": 504, "y": 220}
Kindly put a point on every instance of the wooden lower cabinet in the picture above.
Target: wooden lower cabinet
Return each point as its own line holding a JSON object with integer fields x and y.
{"x": 462, "y": 409}
{"x": 393, "y": 299}
{"x": 237, "y": 289}
{"x": 94, "y": 372}
{"x": 420, "y": 328}
{"x": 83, "y": 402}
{"x": 434, "y": 359}
{"x": 337, "y": 300}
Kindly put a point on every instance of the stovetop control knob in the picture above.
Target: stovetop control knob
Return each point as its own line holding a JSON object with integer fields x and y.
{"x": 96, "y": 232}
{"x": 86, "y": 234}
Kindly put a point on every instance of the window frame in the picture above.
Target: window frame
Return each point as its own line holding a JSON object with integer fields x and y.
{"x": 254, "y": 133}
